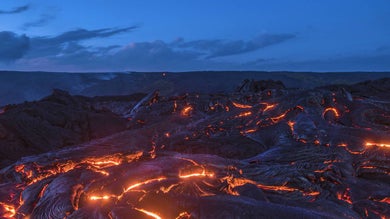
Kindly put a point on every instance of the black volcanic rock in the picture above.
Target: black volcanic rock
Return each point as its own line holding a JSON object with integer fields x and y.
{"x": 54, "y": 122}
{"x": 296, "y": 153}
{"x": 257, "y": 86}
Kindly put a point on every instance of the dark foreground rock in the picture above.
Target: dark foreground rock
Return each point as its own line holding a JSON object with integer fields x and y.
{"x": 265, "y": 153}
{"x": 54, "y": 122}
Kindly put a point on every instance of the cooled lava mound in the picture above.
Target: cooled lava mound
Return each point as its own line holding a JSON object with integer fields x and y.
{"x": 264, "y": 151}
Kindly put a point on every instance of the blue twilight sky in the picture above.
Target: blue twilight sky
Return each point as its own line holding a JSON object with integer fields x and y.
{"x": 146, "y": 35}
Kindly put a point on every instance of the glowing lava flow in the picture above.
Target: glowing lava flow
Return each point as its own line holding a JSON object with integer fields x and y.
{"x": 143, "y": 183}
{"x": 154, "y": 215}
{"x": 241, "y": 106}
{"x": 244, "y": 114}
{"x": 331, "y": 109}
{"x": 9, "y": 210}
{"x": 278, "y": 118}
{"x": 104, "y": 197}
{"x": 269, "y": 106}
{"x": 131, "y": 187}
{"x": 202, "y": 174}
{"x": 385, "y": 200}
{"x": 378, "y": 144}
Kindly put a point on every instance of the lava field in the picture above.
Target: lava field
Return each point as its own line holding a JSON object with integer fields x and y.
{"x": 263, "y": 151}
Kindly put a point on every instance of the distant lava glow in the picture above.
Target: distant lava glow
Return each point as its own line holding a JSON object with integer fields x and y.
{"x": 385, "y": 145}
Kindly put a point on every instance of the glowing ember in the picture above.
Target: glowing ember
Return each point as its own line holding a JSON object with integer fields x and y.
{"x": 378, "y": 144}
{"x": 268, "y": 106}
{"x": 184, "y": 215}
{"x": 331, "y": 109}
{"x": 248, "y": 131}
{"x": 143, "y": 183}
{"x": 105, "y": 163}
{"x": 385, "y": 200}
{"x": 241, "y": 106}
{"x": 244, "y": 114}
{"x": 104, "y": 197}
{"x": 153, "y": 215}
{"x": 278, "y": 118}
{"x": 201, "y": 174}
{"x": 344, "y": 196}
{"x": 9, "y": 211}
{"x": 276, "y": 188}
{"x": 291, "y": 125}
{"x": 186, "y": 111}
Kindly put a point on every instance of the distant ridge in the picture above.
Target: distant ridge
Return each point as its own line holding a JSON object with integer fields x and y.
{"x": 19, "y": 86}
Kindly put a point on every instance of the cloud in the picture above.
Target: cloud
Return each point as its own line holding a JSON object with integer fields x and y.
{"x": 43, "y": 20}
{"x": 16, "y": 10}
{"x": 52, "y": 46}
{"x": 220, "y": 48}
{"x": 142, "y": 56}
{"x": 12, "y": 46}
{"x": 67, "y": 50}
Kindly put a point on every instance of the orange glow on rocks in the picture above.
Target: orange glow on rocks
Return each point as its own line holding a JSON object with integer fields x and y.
{"x": 186, "y": 111}
{"x": 248, "y": 131}
{"x": 151, "y": 214}
{"x": 184, "y": 215}
{"x": 291, "y": 125}
{"x": 136, "y": 185}
{"x": 241, "y": 106}
{"x": 126, "y": 190}
{"x": 244, "y": 114}
{"x": 344, "y": 196}
{"x": 8, "y": 210}
{"x": 331, "y": 109}
{"x": 378, "y": 144}
{"x": 385, "y": 200}
{"x": 104, "y": 197}
{"x": 196, "y": 174}
{"x": 268, "y": 106}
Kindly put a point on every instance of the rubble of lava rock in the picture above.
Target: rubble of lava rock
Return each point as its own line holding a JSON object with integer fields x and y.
{"x": 271, "y": 152}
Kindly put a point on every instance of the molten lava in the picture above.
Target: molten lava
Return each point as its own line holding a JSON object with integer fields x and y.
{"x": 153, "y": 215}
{"x": 378, "y": 144}
{"x": 8, "y": 210}
{"x": 186, "y": 111}
{"x": 241, "y": 106}
{"x": 196, "y": 174}
{"x": 268, "y": 106}
{"x": 331, "y": 109}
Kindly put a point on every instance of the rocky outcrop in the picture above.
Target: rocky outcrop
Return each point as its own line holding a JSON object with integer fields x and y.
{"x": 56, "y": 121}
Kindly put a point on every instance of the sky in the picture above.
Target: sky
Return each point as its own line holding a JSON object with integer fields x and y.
{"x": 177, "y": 35}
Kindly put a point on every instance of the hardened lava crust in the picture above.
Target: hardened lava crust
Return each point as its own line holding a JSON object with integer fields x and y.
{"x": 263, "y": 151}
